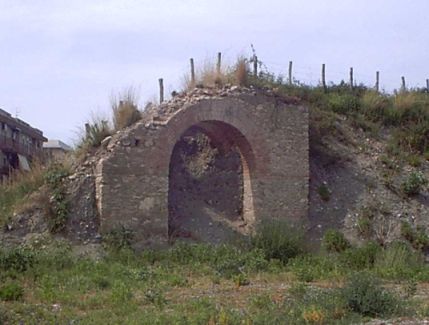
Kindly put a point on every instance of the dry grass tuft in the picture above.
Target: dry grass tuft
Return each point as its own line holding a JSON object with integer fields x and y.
{"x": 124, "y": 108}
{"x": 95, "y": 131}
{"x": 241, "y": 72}
{"x": 208, "y": 76}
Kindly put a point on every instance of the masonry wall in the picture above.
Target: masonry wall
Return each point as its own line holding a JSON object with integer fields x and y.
{"x": 132, "y": 179}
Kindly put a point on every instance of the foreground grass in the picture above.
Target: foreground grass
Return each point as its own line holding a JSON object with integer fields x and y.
{"x": 201, "y": 284}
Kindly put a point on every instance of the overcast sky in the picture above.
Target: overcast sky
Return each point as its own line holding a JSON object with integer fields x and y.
{"x": 61, "y": 60}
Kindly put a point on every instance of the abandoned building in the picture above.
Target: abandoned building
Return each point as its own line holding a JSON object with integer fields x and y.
{"x": 20, "y": 144}
{"x": 55, "y": 150}
{"x": 205, "y": 167}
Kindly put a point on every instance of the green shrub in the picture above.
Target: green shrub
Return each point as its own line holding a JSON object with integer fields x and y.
{"x": 414, "y": 183}
{"x": 399, "y": 261}
{"x": 59, "y": 207}
{"x": 411, "y": 107}
{"x": 414, "y": 160}
{"x": 359, "y": 258}
{"x": 418, "y": 237}
{"x": 365, "y": 295}
{"x": 364, "y": 226}
{"x": 413, "y": 138}
{"x": 334, "y": 241}
{"x": 119, "y": 238}
{"x": 18, "y": 260}
{"x": 11, "y": 291}
{"x": 312, "y": 267}
{"x": 374, "y": 105}
{"x": 343, "y": 103}
{"x": 324, "y": 192}
{"x": 278, "y": 240}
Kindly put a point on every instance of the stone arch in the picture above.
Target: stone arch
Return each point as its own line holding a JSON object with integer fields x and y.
{"x": 132, "y": 178}
{"x": 225, "y": 141}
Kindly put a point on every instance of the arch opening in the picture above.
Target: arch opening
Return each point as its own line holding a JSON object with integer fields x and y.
{"x": 209, "y": 195}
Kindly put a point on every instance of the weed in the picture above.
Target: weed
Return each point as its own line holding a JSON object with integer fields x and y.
{"x": 375, "y": 105}
{"x": 324, "y": 192}
{"x": 308, "y": 268}
{"x": 278, "y": 240}
{"x": 414, "y": 183}
{"x": 417, "y": 237}
{"x": 102, "y": 282}
{"x": 343, "y": 103}
{"x": 364, "y": 226}
{"x": 414, "y": 160}
{"x": 11, "y": 291}
{"x": 17, "y": 259}
{"x": 59, "y": 207}
{"x": 241, "y": 280}
{"x": 365, "y": 295}
{"x": 121, "y": 293}
{"x": 314, "y": 315}
{"x": 410, "y": 288}
{"x": 398, "y": 261}
{"x": 334, "y": 241}
{"x": 156, "y": 297}
{"x": 119, "y": 238}
{"x": 359, "y": 258}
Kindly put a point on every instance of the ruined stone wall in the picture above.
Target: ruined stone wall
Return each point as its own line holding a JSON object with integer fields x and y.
{"x": 132, "y": 180}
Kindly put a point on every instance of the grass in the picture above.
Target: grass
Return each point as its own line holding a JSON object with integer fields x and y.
{"x": 91, "y": 137}
{"x": 204, "y": 284}
{"x": 404, "y": 114}
{"x": 21, "y": 193}
{"x": 125, "y": 110}
{"x": 17, "y": 190}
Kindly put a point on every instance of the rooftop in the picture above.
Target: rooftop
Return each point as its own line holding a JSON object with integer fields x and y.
{"x": 20, "y": 124}
{"x": 56, "y": 144}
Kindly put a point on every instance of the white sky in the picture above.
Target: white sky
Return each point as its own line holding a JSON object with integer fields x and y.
{"x": 61, "y": 60}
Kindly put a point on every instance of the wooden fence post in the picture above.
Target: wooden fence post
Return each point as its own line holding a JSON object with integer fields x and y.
{"x": 403, "y": 87}
{"x": 161, "y": 90}
{"x": 219, "y": 62}
{"x": 427, "y": 85}
{"x": 377, "y": 81}
{"x": 87, "y": 130}
{"x": 351, "y": 79}
{"x": 290, "y": 72}
{"x": 255, "y": 66}
{"x": 323, "y": 77}
{"x": 192, "y": 72}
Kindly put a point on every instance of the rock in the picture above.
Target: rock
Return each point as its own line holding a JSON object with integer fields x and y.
{"x": 105, "y": 142}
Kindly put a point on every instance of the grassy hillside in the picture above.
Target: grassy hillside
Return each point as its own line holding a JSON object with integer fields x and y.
{"x": 369, "y": 166}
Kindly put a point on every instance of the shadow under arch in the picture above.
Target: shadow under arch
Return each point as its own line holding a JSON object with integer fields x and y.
{"x": 228, "y": 141}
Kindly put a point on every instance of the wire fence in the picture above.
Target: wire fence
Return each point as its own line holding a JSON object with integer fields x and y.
{"x": 297, "y": 74}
